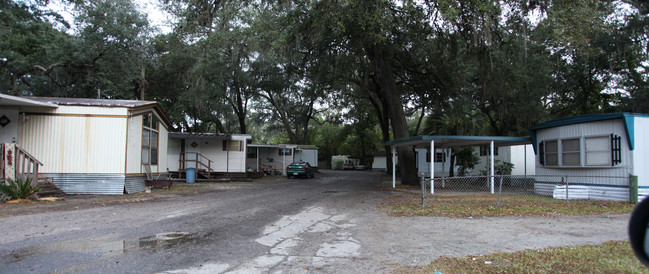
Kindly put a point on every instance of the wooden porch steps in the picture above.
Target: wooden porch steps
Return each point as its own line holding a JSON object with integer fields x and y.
{"x": 48, "y": 189}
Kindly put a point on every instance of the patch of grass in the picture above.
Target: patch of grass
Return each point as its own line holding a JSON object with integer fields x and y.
{"x": 609, "y": 257}
{"x": 477, "y": 205}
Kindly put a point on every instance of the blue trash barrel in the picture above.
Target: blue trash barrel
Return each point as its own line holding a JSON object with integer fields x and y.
{"x": 191, "y": 175}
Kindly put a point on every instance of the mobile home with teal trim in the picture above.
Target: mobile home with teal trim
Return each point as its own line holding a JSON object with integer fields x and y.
{"x": 597, "y": 153}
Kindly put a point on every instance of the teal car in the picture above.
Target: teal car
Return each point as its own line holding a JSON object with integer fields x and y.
{"x": 299, "y": 169}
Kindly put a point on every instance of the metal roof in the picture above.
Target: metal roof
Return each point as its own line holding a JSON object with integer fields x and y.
{"x": 585, "y": 119}
{"x": 8, "y": 100}
{"x": 273, "y": 146}
{"x": 626, "y": 118}
{"x": 87, "y": 102}
{"x": 198, "y": 135}
{"x": 454, "y": 140}
{"x": 93, "y": 102}
{"x": 307, "y": 147}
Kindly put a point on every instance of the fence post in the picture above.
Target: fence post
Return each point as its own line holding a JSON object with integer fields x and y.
{"x": 633, "y": 189}
{"x": 567, "y": 191}
{"x": 423, "y": 190}
{"x": 500, "y": 190}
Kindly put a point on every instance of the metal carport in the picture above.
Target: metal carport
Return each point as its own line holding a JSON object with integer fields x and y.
{"x": 451, "y": 141}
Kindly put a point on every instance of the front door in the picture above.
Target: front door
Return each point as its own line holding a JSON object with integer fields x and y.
{"x": 9, "y": 119}
{"x": 192, "y": 146}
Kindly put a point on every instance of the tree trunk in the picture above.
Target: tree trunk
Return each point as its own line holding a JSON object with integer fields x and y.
{"x": 389, "y": 91}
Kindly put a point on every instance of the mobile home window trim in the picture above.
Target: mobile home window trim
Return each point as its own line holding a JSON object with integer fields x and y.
{"x": 150, "y": 139}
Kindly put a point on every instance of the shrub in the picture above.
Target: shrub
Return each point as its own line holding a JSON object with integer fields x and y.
{"x": 338, "y": 164}
{"x": 18, "y": 189}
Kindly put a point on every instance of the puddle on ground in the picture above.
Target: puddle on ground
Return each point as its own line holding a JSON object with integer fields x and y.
{"x": 108, "y": 248}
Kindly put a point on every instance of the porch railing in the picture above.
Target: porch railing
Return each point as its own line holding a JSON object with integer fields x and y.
{"x": 24, "y": 164}
{"x": 2, "y": 163}
{"x": 199, "y": 161}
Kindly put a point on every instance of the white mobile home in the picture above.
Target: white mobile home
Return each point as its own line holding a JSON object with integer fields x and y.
{"x": 212, "y": 155}
{"x": 380, "y": 163}
{"x": 306, "y": 153}
{"x": 583, "y": 148}
{"x": 442, "y": 162}
{"x": 344, "y": 162}
{"x": 522, "y": 156}
{"x": 89, "y": 146}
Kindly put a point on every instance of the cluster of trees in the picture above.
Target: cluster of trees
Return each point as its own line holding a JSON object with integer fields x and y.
{"x": 343, "y": 75}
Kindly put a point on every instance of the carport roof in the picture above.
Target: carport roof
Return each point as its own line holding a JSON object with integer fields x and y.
{"x": 455, "y": 140}
{"x": 198, "y": 135}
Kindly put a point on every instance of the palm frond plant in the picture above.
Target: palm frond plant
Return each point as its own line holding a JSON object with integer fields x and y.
{"x": 18, "y": 189}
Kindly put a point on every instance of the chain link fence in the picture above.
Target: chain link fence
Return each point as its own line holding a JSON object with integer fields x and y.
{"x": 537, "y": 190}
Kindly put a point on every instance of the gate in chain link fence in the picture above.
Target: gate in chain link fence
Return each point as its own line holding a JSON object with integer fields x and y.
{"x": 538, "y": 190}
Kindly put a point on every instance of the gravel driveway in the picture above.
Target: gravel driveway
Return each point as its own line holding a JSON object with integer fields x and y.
{"x": 327, "y": 224}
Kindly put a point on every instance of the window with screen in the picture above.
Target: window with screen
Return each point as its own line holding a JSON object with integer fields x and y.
{"x": 598, "y": 151}
{"x": 551, "y": 153}
{"x": 571, "y": 152}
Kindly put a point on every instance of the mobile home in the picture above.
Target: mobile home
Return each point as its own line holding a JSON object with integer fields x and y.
{"x": 611, "y": 146}
{"x": 212, "y": 155}
{"x": 88, "y": 146}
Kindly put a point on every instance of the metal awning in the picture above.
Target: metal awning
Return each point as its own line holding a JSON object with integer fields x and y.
{"x": 452, "y": 141}
{"x": 198, "y": 135}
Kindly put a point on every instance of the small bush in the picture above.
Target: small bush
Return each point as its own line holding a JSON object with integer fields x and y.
{"x": 338, "y": 164}
{"x": 18, "y": 189}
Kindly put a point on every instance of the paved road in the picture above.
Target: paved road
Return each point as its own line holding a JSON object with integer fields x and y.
{"x": 326, "y": 224}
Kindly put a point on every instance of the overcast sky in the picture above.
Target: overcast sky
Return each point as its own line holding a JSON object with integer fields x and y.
{"x": 157, "y": 17}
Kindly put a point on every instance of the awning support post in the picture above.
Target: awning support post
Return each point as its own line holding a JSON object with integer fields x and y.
{"x": 491, "y": 157}
{"x": 432, "y": 167}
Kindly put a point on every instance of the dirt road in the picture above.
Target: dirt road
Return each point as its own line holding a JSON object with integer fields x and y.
{"x": 327, "y": 224}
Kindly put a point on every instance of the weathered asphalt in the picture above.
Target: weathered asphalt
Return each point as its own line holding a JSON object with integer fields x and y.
{"x": 327, "y": 224}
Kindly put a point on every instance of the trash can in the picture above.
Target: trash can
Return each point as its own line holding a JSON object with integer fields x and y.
{"x": 191, "y": 175}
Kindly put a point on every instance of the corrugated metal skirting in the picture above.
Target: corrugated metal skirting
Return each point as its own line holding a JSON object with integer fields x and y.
{"x": 135, "y": 184}
{"x": 107, "y": 184}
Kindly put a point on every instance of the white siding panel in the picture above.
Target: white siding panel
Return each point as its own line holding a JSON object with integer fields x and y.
{"x": 544, "y": 189}
{"x": 600, "y": 128}
{"x": 163, "y": 141}
{"x": 40, "y": 136}
{"x": 641, "y": 152}
{"x": 609, "y": 193}
{"x": 379, "y": 163}
{"x": 523, "y": 159}
{"x": 214, "y": 151}
{"x": 173, "y": 154}
{"x": 134, "y": 145}
{"x": 105, "y": 142}
{"x": 75, "y": 144}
